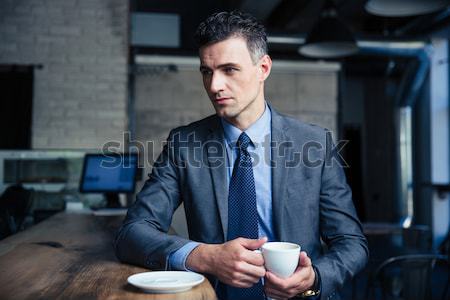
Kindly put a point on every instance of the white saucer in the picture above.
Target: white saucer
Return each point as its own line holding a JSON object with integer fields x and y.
{"x": 165, "y": 282}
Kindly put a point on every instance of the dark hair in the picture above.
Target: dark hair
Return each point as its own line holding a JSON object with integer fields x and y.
{"x": 223, "y": 25}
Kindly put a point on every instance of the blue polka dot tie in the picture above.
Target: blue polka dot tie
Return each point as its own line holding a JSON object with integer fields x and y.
{"x": 242, "y": 212}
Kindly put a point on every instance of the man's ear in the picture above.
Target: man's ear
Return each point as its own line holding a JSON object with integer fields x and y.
{"x": 265, "y": 65}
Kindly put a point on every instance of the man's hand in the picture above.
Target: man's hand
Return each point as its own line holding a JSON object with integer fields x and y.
{"x": 285, "y": 288}
{"x": 234, "y": 262}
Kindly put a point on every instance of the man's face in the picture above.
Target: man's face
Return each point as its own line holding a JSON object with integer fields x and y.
{"x": 234, "y": 83}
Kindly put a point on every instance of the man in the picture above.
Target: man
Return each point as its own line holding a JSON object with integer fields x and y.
{"x": 293, "y": 191}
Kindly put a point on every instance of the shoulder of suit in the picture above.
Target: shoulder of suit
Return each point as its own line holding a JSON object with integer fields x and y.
{"x": 298, "y": 127}
{"x": 202, "y": 126}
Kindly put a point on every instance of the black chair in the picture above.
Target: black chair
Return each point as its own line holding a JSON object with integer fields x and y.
{"x": 418, "y": 237}
{"x": 444, "y": 248}
{"x": 411, "y": 277}
{"x": 15, "y": 204}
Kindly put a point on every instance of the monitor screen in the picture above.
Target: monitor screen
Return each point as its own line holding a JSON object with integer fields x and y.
{"x": 109, "y": 173}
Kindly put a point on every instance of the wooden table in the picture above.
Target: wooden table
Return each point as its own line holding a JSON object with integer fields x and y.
{"x": 70, "y": 256}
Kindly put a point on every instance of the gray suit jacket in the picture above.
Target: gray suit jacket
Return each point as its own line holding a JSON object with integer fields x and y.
{"x": 311, "y": 200}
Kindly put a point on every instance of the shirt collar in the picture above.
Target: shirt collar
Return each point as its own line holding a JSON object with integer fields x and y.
{"x": 257, "y": 131}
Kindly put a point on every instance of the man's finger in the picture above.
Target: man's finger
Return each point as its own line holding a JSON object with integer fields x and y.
{"x": 275, "y": 294}
{"x": 256, "y": 271}
{"x": 245, "y": 281}
{"x": 254, "y": 258}
{"x": 252, "y": 244}
{"x": 283, "y": 283}
{"x": 304, "y": 260}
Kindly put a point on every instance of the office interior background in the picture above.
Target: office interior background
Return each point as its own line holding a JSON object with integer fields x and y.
{"x": 79, "y": 77}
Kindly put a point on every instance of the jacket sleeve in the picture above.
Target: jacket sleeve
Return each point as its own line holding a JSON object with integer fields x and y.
{"x": 340, "y": 229}
{"x": 142, "y": 239}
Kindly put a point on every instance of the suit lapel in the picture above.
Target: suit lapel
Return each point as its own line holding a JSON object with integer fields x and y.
{"x": 217, "y": 156}
{"x": 280, "y": 151}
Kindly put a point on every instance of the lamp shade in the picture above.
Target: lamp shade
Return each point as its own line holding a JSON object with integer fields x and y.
{"x": 404, "y": 8}
{"x": 329, "y": 38}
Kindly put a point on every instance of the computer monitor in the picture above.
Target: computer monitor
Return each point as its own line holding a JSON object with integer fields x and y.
{"x": 110, "y": 174}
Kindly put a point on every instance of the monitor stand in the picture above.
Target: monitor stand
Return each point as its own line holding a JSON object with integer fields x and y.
{"x": 112, "y": 208}
{"x": 112, "y": 200}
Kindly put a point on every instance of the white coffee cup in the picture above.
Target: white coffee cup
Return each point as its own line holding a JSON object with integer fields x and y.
{"x": 281, "y": 258}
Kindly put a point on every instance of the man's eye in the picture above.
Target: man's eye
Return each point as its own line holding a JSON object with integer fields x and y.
{"x": 230, "y": 70}
{"x": 206, "y": 72}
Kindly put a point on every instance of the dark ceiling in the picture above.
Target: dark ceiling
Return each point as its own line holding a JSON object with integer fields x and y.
{"x": 296, "y": 17}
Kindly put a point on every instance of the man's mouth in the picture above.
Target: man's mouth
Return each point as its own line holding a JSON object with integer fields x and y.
{"x": 222, "y": 100}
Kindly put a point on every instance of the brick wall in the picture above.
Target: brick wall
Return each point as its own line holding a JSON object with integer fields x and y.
{"x": 307, "y": 94}
{"x": 80, "y": 93}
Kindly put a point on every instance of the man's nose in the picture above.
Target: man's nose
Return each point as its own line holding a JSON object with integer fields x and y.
{"x": 217, "y": 83}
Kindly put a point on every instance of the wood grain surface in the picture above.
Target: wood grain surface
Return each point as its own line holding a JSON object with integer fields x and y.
{"x": 70, "y": 256}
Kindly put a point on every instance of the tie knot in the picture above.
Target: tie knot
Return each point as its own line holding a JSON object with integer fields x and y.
{"x": 243, "y": 141}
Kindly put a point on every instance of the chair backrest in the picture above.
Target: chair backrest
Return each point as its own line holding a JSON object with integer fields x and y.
{"x": 444, "y": 248}
{"x": 15, "y": 203}
{"x": 410, "y": 277}
{"x": 418, "y": 237}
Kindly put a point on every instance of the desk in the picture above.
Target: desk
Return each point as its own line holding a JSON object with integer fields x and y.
{"x": 70, "y": 256}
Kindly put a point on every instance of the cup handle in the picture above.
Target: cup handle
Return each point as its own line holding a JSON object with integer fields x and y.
{"x": 257, "y": 251}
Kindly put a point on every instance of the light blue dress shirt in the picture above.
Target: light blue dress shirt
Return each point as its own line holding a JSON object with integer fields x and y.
{"x": 260, "y": 135}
